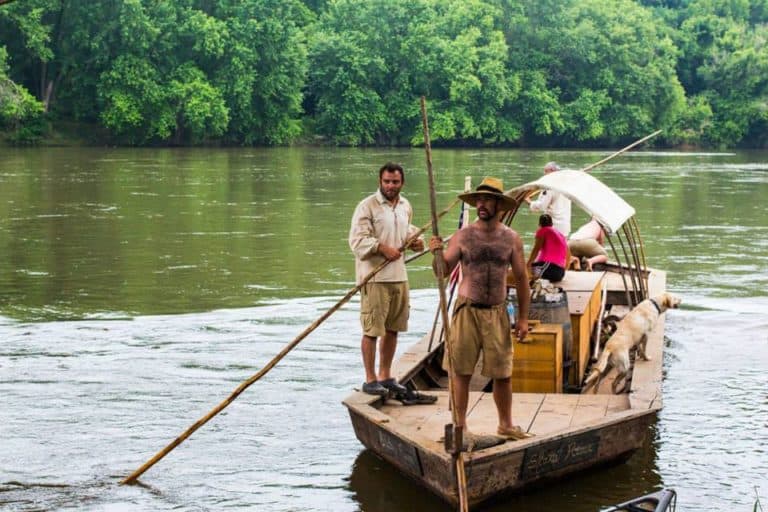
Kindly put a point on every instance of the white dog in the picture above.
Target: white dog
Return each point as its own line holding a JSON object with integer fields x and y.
{"x": 631, "y": 331}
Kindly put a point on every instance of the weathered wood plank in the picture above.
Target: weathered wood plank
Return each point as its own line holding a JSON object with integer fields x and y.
{"x": 646, "y": 375}
{"x": 525, "y": 406}
{"x": 554, "y": 414}
{"x": 618, "y": 403}
{"x": 589, "y": 408}
{"x": 432, "y": 424}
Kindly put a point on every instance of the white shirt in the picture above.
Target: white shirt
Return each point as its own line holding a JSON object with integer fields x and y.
{"x": 557, "y": 206}
{"x": 376, "y": 220}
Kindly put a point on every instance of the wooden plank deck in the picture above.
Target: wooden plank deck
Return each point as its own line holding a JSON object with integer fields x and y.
{"x": 538, "y": 413}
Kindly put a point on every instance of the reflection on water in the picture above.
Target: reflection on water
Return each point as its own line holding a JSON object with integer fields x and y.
{"x": 372, "y": 482}
{"x": 188, "y": 270}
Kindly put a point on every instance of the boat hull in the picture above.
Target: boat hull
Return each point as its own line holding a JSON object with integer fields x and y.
{"x": 493, "y": 472}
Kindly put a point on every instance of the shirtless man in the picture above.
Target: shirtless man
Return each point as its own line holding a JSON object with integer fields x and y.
{"x": 485, "y": 248}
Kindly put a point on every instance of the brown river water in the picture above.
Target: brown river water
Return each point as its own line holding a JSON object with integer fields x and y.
{"x": 138, "y": 288}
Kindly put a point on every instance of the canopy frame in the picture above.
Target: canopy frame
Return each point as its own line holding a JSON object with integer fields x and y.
{"x": 615, "y": 216}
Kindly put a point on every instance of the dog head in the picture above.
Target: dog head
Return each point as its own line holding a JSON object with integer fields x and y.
{"x": 667, "y": 301}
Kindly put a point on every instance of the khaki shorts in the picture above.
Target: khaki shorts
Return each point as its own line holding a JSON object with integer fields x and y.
{"x": 475, "y": 330}
{"x": 384, "y": 307}
{"x": 587, "y": 247}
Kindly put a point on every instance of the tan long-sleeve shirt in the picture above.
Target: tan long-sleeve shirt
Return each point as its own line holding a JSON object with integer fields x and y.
{"x": 376, "y": 221}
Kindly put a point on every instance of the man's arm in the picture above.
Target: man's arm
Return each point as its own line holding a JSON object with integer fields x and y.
{"x": 361, "y": 238}
{"x": 542, "y": 203}
{"x": 451, "y": 253}
{"x": 418, "y": 243}
{"x": 521, "y": 285}
{"x": 534, "y": 251}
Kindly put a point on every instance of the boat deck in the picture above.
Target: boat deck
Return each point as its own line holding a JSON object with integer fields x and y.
{"x": 542, "y": 414}
{"x": 537, "y": 413}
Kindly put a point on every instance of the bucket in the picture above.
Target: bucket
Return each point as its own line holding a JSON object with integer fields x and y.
{"x": 552, "y": 308}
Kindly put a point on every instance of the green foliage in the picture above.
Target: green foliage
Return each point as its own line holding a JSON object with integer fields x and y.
{"x": 512, "y": 72}
{"x": 693, "y": 123}
{"x": 164, "y": 71}
{"x": 20, "y": 114}
{"x": 725, "y": 59}
{"x": 263, "y": 69}
{"x": 600, "y": 71}
{"x": 372, "y": 60}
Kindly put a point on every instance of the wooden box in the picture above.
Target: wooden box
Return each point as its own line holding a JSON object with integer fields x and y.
{"x": 538, "y": 364}
{"x": 584, "y": 297}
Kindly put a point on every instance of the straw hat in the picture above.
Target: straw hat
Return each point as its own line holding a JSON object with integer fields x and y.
{"x": 492, "y": 187}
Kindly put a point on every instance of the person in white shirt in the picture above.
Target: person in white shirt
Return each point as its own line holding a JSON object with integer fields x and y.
{"x": 555, "y": 204}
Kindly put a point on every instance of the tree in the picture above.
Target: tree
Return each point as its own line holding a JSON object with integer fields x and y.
{"x": 725, "y": 62}
{"x": 372, "y": 60}
{"x": 263, "y": 68}
{"x": 166, "y": 71}
{"x": 594, "y": 71}
{"x": 20, "y": 113}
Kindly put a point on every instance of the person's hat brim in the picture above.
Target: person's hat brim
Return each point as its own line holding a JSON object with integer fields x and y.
{"x": 505, "y": 202}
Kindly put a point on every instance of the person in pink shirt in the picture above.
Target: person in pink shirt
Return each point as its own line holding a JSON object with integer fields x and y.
{"x": 547, "y": 259}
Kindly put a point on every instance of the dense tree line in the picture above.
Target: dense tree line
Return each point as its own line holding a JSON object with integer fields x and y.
{"x": 350, "y": 72}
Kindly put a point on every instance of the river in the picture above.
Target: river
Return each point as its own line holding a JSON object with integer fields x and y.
{"x": 139, "y": 287}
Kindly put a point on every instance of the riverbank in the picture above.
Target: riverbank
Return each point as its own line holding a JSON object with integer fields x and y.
{"x": 81, "y": 134}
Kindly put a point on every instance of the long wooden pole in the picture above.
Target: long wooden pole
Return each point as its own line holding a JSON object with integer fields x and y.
{"x": 614, "y": 155}
{"x": 454, "y": 279}
{"x": 461, "y": 476}
{"x": 242, "y": 387}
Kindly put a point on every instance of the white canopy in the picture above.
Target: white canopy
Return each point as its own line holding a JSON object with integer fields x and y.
{"x": 586, "y": 191}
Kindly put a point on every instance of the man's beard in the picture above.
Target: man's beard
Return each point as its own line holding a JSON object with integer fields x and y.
{"x": 389, "y": 195}
{"x": 489, "y": 215}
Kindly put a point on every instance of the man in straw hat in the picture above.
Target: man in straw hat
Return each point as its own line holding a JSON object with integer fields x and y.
{"x": 485, "y": 248}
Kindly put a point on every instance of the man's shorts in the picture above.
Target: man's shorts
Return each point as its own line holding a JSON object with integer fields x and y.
{"x": 476, "y": 329}
{"x": 587, "y": 247}
{"x": 384, "y": 307}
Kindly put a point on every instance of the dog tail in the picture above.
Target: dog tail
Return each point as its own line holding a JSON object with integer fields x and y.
{"x": 602, "y": 363}
{"x": 598, "y": 369}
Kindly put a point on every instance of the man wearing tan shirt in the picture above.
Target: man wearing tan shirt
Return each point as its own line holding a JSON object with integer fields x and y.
{"x": 381, "y": 225}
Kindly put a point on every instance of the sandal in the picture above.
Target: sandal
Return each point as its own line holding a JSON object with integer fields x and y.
{"x": 514, "y": 433}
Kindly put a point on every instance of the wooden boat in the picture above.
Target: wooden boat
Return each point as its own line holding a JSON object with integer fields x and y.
{"x": 572, "y": 431}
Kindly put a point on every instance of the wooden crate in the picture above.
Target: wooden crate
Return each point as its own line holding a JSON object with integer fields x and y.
{"x": 538, "y": 366}
{"x": 584, "y": 294}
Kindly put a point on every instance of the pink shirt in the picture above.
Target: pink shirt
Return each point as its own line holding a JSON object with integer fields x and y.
{"x": 553, "y": 246}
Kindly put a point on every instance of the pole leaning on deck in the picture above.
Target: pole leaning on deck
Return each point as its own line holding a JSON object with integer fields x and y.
{"x": 461, "y": 476}
{"x": 130, "y": 479}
